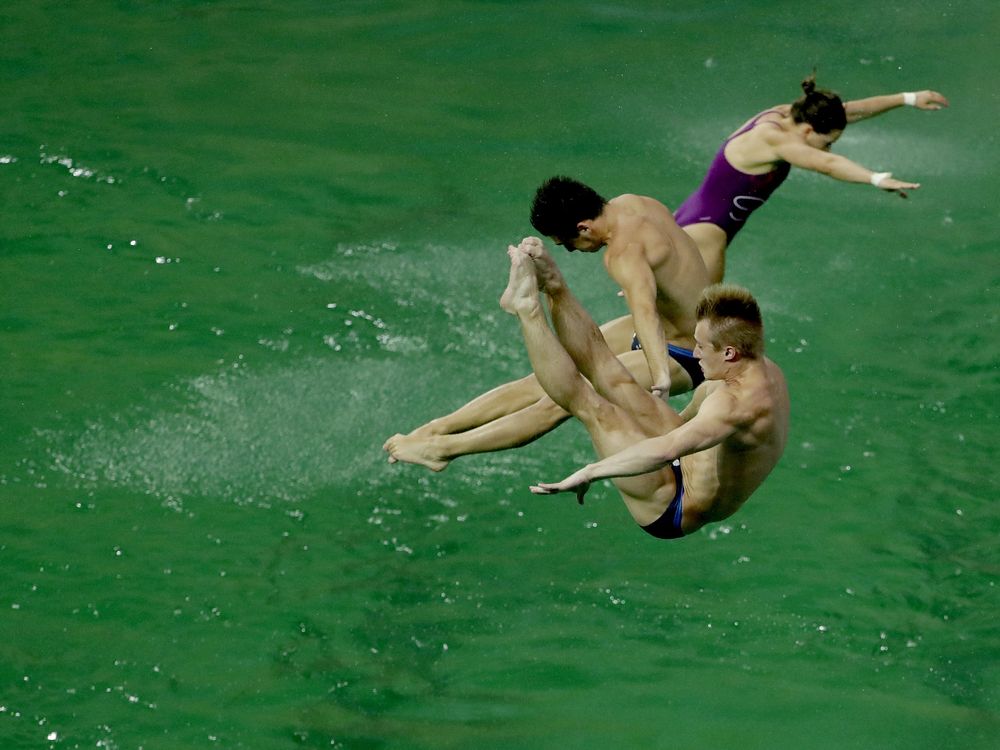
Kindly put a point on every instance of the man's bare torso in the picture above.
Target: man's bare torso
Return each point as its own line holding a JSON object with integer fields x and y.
{"x": 644, "y": 226}
{"x": 717, "y": 481}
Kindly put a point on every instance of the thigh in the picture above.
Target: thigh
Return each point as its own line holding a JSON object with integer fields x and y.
{"x": 632, "y": 394}
{"x": 618, "y": 333}
{"x": 711, "y": 242}
{"x": 613, "y": 429}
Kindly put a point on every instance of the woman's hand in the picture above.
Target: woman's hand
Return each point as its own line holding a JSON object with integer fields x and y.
{"x": 930, "y": 100}
{"x": 885, "y": 181}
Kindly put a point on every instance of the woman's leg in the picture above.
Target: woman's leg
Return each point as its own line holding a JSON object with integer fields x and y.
{"x": 712, "y": 243}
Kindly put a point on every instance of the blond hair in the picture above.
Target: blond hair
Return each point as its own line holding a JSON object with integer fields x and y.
{"x": 734, "y": 319}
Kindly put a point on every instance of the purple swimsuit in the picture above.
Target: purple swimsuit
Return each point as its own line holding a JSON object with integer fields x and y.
{"x": 727, "y": 196}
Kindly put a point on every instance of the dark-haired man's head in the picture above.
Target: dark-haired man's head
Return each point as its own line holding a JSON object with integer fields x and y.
{"x": 560, "y": 205}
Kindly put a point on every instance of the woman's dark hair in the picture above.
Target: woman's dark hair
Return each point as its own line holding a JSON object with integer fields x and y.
{"x": 560, "y": 204}
{"x": 822, "y": 109}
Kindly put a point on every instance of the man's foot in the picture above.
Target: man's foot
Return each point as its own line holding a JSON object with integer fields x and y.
{"x": 550, "y": 278}
{"x": 414, "y": 450}
{"x": 521, "y": 294}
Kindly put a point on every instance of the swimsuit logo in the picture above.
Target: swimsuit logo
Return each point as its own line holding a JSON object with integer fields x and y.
{"x": 738, "y": 204}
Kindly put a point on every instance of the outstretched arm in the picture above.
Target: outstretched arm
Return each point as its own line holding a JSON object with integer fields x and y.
{"x": 632, "y": 273}
{"x": 838, "y": 167}
{"x": 862, "y": 109}
{"x": 713, "y": 423}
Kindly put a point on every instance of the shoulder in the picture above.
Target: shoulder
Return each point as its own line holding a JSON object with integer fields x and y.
{"x": 636, "y": 206}
{"x": 721, "y": 400}
{"x": 780, "y": 397}
{"x": 631, "y": 220}
{"x": 762, "y": 394}
{"x": 625, "y": 200}
{"x": 775, "y": 132}
{"x": 774, "y": 374}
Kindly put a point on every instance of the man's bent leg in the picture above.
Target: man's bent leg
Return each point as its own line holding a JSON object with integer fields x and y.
{"x": 507, "y": 399}
{"x": 509, "y": 416}
{"x": 584, "y": 342}
{"x": 553, "y": 367}
{"x": 496, "y": 403}
{"x": 611, "y": 427}
{"x": 511, "y": 431}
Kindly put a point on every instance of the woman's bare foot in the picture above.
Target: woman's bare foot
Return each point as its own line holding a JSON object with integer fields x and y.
{"x": 415, "y": 450}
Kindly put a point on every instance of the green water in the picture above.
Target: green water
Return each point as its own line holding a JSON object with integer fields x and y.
{"x": 244, "y": 242}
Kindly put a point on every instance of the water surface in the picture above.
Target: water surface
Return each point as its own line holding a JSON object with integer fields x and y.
{"x": 243, "y": 243}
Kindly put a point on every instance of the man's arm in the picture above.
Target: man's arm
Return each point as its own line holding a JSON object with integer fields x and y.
{"x": 862, "y": 109}
{"x": 632, "y": 273}
{"x": 694, "y": 405}
{"x": 712, "y": 424}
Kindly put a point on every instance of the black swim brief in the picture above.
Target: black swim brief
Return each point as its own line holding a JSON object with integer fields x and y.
{"x": 668, "y": 526}
{"x": 684, "y": 357}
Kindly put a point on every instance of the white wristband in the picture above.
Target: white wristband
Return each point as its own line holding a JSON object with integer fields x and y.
{"x": 878, "y": 178}
{"x": 909, "y": 98}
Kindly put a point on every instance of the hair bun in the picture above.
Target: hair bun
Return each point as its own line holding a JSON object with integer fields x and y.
{"x": 809, "y": 84}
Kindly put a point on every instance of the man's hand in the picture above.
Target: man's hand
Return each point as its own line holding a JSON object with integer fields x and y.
{"x": 661, "y": 388}
{"x": 577, "y": 482}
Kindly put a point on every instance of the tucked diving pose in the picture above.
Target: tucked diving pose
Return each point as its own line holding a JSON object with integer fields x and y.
{"x": 756, "y": 159}
{"x": 675, "y": 472}
{"x": 661, "y": 273}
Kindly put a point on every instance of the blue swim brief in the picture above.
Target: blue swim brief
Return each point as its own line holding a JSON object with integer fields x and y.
{"x": 668, "y": 526}
{"x": 684, "y": 357}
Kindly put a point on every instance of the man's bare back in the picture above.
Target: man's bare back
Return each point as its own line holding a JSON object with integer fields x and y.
{"x": 660, "y": 271}
{"x": 645, "y": 230}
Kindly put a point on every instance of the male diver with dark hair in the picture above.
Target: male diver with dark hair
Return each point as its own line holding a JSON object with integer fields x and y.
{"x": 661, "y": 273}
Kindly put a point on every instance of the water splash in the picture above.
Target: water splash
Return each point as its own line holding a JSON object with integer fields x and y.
{"x": 248, "y": 438}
